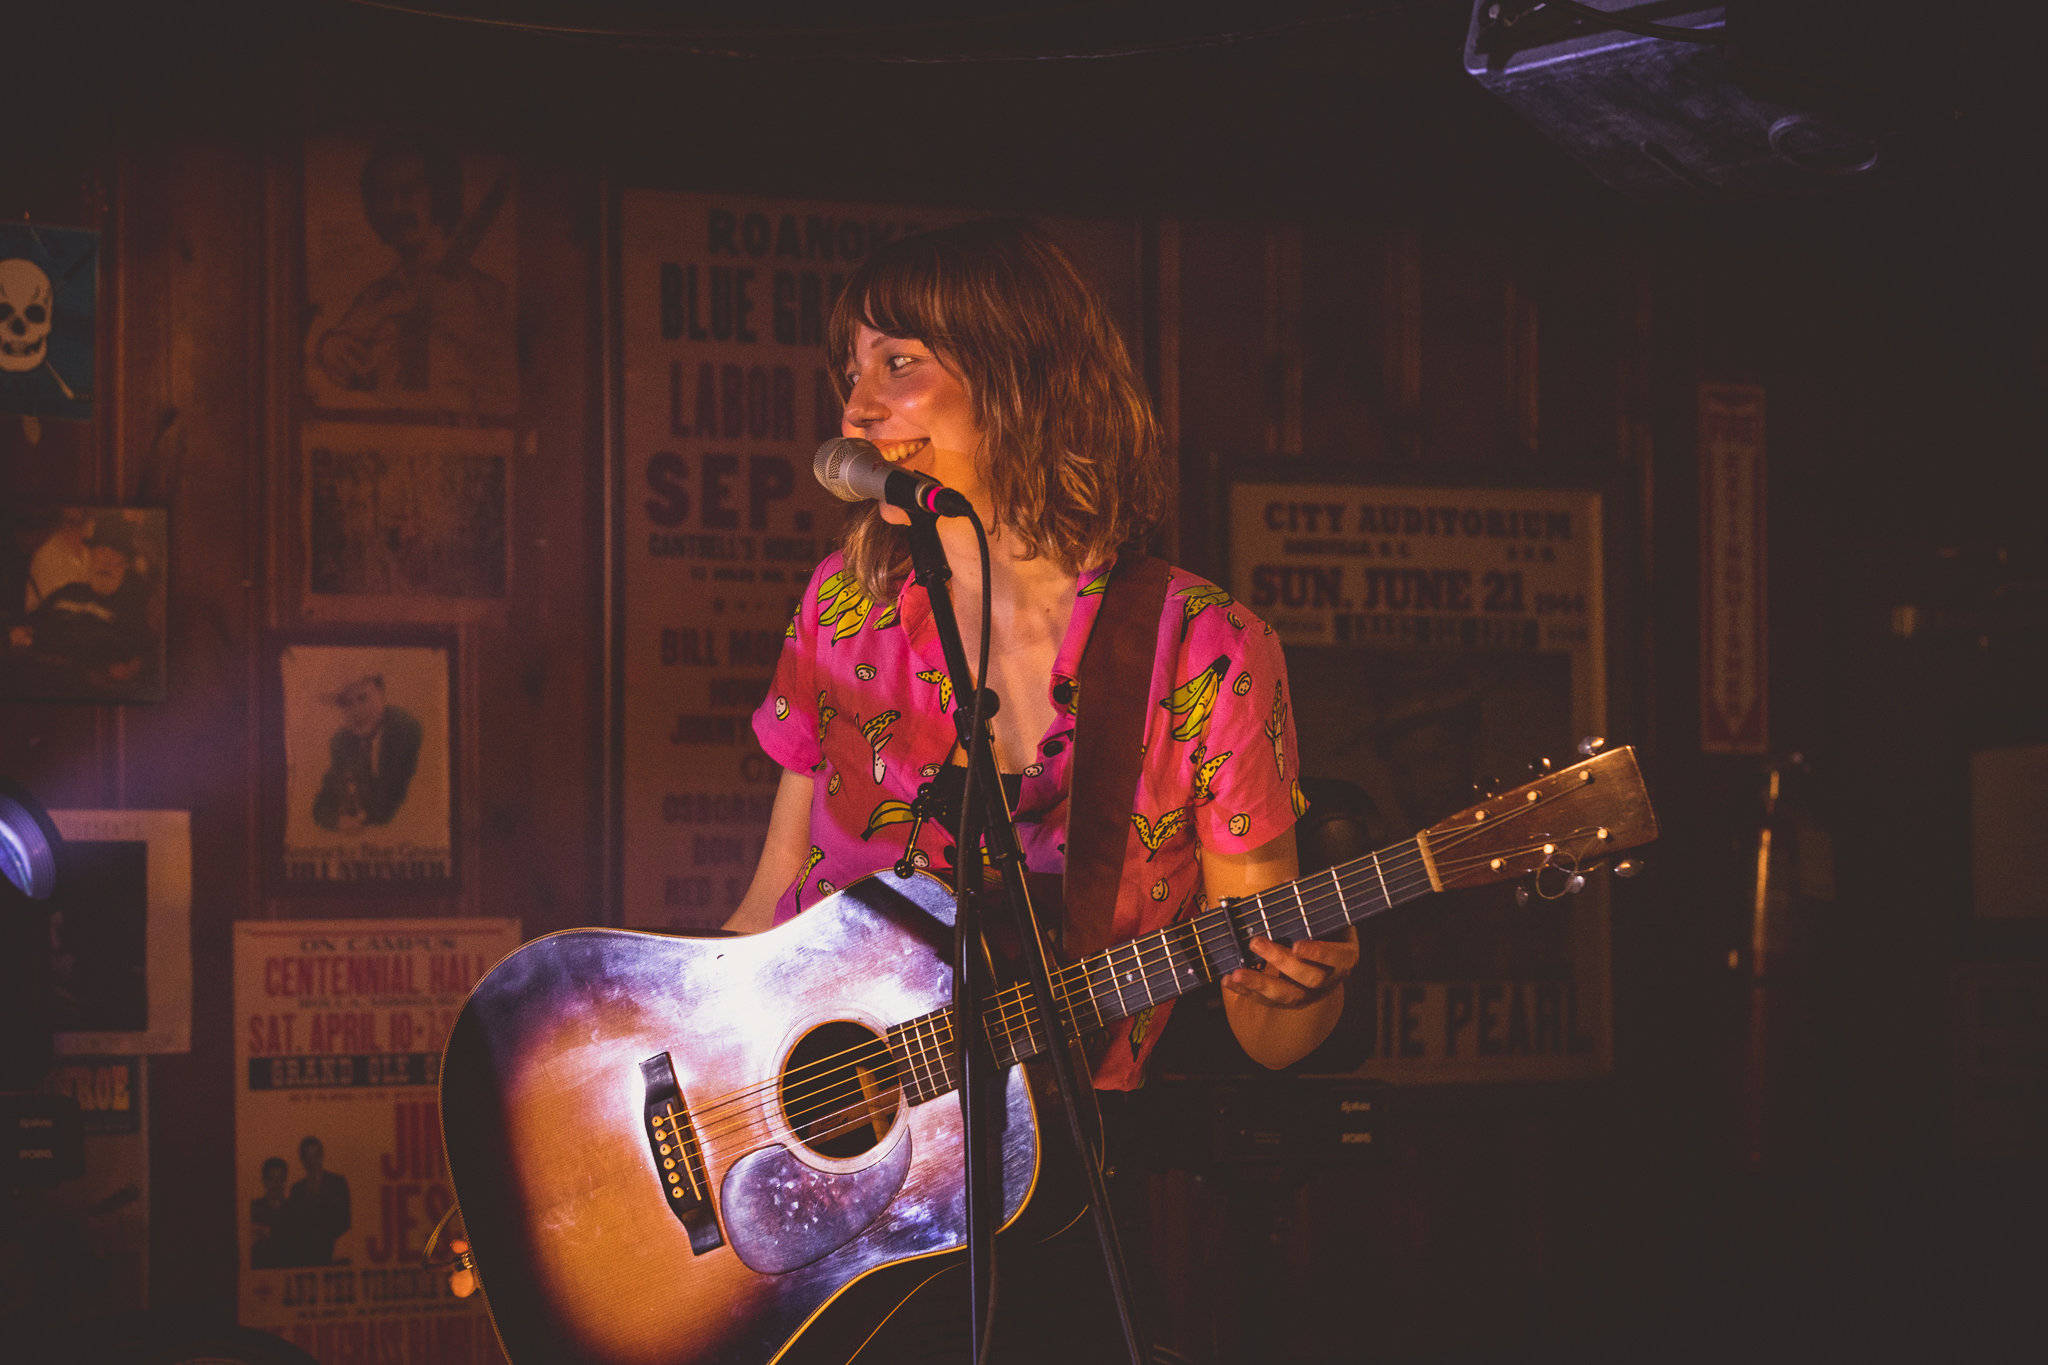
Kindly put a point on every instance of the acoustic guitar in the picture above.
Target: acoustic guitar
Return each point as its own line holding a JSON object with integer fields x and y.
{"x": 742, "y": 1149}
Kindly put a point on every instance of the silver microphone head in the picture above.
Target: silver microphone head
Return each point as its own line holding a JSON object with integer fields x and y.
{"x": 837, "y": 462}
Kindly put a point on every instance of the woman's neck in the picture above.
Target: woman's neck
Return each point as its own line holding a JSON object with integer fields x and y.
{"x": 1031, "y": 606}
{"x": 1023, "y": 588}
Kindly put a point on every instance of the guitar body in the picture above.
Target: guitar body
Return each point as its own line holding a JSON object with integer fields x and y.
{"x": 573, "y": 1212}
{"x": 730, "y": 1151}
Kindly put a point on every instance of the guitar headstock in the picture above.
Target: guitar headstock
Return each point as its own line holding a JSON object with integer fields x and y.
{"x": 1569, "y": 819}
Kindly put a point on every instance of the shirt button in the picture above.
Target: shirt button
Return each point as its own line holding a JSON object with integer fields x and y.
{"x": 1062, "y": 692}
{"x": 1052, "y": 746}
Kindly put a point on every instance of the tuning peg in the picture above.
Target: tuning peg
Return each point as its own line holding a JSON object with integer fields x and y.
{"x": 1486, "y": 787}
{"x": 1540, "y": 767}
{"x": 1628, "y": 867}
{"x": 1591, "y": 744}
{"x": 1521, "y": 894}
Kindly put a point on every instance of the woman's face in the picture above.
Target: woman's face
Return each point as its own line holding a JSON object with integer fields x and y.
{"x": 916, "y": 410}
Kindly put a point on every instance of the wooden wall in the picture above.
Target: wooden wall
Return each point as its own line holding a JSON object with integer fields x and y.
{"x": 1524, "y": 326}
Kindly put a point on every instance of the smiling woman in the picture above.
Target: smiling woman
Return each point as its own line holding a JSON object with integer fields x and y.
{"x": 977, "y": 355}
{"x": 989, "y": 329}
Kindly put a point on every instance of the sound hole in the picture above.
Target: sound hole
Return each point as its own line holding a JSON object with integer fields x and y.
{"x": 839, "y": 1089}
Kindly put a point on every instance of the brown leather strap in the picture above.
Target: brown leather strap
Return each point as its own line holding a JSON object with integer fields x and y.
{"x": 1111, "y": 706}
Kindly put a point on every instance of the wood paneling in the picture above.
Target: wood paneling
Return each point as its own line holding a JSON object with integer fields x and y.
{"x": 1394, "y": 294}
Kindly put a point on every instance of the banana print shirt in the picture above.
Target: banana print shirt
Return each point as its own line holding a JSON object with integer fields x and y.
{"x": 861, "y": 702}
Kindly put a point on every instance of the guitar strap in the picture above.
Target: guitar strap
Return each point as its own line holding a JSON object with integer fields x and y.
{"x": 1112, "y": 700}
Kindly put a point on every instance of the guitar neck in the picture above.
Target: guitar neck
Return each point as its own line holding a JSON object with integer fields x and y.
{"x": 1130, "y": 977}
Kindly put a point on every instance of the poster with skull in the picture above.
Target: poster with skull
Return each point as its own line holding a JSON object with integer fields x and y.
{"x": 410, "y": 277}
{"x": 49, "y": 284}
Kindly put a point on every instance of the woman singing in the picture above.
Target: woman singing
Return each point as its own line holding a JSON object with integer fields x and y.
{"x": 979, "y": 356}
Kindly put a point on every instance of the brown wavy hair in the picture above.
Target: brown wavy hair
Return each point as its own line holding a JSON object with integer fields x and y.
{"x": 1070, "y": 451}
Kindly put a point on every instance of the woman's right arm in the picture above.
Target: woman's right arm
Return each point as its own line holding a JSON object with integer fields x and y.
{"x": 782, "y": 857}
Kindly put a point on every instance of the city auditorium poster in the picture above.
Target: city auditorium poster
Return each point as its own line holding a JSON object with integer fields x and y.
{"x": 1435, "y": 636}
{"x": 339, "y": 1169}
{"x": 724, "y": 300}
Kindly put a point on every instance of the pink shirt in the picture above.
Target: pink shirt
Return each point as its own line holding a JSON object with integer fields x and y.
{"x": 862, "y": 703}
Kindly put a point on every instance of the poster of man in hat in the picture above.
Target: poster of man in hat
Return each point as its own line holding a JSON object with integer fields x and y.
{"x": 82, "y": 592}
{"x": 370, "y": 759}
{"x": 367, "y": 791}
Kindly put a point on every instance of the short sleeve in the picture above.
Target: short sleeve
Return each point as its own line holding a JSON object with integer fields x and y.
{"x": 786, "y": 722}
{"x": 1246, "y": 788}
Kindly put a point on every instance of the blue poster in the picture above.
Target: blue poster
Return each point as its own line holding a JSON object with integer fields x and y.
{"x": 49, "y": 283}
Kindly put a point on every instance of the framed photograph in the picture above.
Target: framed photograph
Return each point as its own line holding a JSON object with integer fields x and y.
{"x": 406, "y": 523}
{"x": 411, "y": 248}
{"x": 49, "y": 316}
{"x": 121, "y": 931}
{"x": 82, "y": 593}
{"x": 360, "y": 762}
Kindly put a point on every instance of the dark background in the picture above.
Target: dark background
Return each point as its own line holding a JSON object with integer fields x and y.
{"x": 101, "y": 959}
{"x": 1896, "y": 323}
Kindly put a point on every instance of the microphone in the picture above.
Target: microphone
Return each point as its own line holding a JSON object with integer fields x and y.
{"x": 853, "y": 470}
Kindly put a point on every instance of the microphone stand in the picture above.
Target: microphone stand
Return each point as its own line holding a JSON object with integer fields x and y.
{"x": 987, "y": 815}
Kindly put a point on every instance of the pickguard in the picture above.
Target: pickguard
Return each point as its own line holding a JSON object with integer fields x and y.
{"x": 781, "y": 1215}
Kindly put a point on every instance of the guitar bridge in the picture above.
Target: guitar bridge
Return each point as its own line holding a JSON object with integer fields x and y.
{"x": 677, "y": 1156}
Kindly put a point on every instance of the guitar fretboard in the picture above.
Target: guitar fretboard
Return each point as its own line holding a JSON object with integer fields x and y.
{"x": 1130, "y": 977}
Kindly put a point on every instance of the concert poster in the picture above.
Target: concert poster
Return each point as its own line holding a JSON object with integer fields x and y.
{"x": 725, "y": 398}
{"x": 1436, "y": 637}
{"x": 360, "y": 766}
{"x": 410, "y": 275}
{"x": 340, "y": 1175}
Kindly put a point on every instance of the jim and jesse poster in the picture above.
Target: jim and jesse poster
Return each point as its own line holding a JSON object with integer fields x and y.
{"x": 340, "y": 1173}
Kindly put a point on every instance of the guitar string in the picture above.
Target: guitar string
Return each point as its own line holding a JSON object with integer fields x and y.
{"x": 1014, "y": 1009}
{"x": 1145, "y": 975}
{"x": 938, "y": 1031}
{"x": 1147, "y": 972}
{"x": 1015, "y": 1006}
{"x": 935, "y": 1031}
{"x": 1314, "y": 895}
{"x": 1312, "y": 909}
{"x": 1403, "y": 864}
{"x": 1312, "y": 914}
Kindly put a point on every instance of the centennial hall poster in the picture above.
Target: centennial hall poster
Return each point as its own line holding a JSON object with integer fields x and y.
{"x": 339, "y": 1170}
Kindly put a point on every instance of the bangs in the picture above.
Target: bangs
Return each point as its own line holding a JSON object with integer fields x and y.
{"x": 901, "y": 294}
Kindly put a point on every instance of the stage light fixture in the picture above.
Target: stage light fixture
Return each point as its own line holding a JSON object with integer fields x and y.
{"x": 28, "y": 842}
